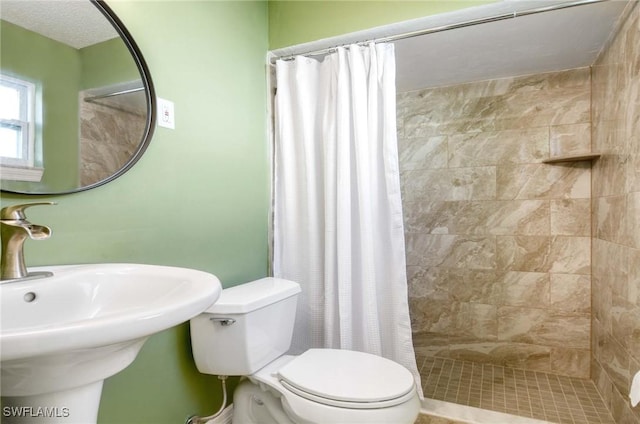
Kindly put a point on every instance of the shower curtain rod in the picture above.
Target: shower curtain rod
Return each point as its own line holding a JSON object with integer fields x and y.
{"x": 443, "y": 28}
{"x": 117, "y": 93}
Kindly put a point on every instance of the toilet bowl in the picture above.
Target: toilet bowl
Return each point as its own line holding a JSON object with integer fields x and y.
{"x": 247, "y": 333}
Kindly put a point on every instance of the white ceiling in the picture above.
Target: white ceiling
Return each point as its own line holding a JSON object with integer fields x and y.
{"x": 75, "y": 23}
{"x": 543, "y": 42}
{"x": 550, "y": 41}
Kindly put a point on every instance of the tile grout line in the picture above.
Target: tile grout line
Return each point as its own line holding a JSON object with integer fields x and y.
{"x": 537, "y": 394}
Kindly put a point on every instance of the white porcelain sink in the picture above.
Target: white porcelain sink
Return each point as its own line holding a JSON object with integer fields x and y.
{"x": 61, "y": 336}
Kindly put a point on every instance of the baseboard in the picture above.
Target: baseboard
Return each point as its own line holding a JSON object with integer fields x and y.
{"x": 224, "y": 417}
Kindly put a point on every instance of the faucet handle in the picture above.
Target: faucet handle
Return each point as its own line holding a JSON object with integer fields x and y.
{"x": 16, "y": 212}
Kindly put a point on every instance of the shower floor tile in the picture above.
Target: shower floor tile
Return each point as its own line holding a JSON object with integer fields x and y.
{"x": 533, "y": 394}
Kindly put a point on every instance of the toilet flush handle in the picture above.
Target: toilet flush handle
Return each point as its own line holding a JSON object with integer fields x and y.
{"x": 223, "y": 321}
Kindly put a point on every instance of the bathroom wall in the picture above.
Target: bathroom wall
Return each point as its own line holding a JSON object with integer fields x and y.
{"x": 616, "y": 219}
{"x": 110, "y": 128}
{"x": 55, "y": 69}
{"x": 498, "y": 247}
{"x": 198, "y": 197}
{"x": 107, "y": 63}
{"x": 296, "y": 22}
{"x": 110, "y": 132}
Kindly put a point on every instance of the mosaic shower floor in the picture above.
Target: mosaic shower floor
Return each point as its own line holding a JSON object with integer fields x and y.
{"x": 531, "y": 394}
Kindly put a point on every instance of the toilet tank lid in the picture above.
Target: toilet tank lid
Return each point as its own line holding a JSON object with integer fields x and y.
{"x": 253, "y": 295}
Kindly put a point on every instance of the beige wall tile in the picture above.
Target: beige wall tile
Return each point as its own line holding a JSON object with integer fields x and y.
{"x": 435, "y": 250}
{"x": 430, "y": 344}
{"x": 633, "y": 288}
{"x": 497, "y": 148}
{"x": 509, "y": 354}
{"x": 570, "y": 293}
{"x": 572, "y": 362}
{"x": 616, "y": 279}
{"x": 430, "y": 283}
{"x": 543, "y": 327}
{"x": 625, "y": 320}
{"x": 571, "y": 217}
{"x": 543, "y": 181}
{"x": 422, "y": 153}
{"x": 601, "y": 303}
{"x": 479, "y": 219}
{"x": 108, "y": 136}
{"x": 430, "y": 316}
{"x": 615, "y": 362}
{"x": 558, "y": 254}
{"x": 473, "y": 285}
{"x": 529, "y": 289}
{"x": 620, "y": 409}
{"x": 602, "y": 381}
{"x": 609, "y": 181}
{"x": 634, "y": 367}
{"x": 569, "y": 139}
{"x": 449, "y": 184}
{"x": 484, "y": 217}
{"x": 610, "y": 219}
{"x": 473, "y": 322}
{"x": 522, "y": 253}
{"x": 570, "y": 255}
{"x": 632, "y": 215}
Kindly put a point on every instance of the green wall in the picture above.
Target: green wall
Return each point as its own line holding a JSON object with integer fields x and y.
{"x": 198, "y": 198}
{"x": 55, "y": 69}
{"x": 107, "y": 63}
{"x": 60, "y": 72}
{"x": 296, "y": 22}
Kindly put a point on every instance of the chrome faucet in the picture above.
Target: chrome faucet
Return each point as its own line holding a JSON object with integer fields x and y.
{"x": 14, "y": 230}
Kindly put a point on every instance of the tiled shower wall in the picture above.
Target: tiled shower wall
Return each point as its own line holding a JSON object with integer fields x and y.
{"x": 109, "y": 136}
{"x": 616, "y": 218}
{"x": 498, "y": 244}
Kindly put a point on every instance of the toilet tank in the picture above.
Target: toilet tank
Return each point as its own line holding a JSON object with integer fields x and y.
{"x": 248, "y": 327}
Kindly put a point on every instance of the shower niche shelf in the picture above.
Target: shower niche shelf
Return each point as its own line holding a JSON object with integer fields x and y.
{"x": 572, "y": 158}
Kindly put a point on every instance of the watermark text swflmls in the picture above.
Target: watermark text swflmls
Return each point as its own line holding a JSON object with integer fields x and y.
{"x": 35, "y": 411}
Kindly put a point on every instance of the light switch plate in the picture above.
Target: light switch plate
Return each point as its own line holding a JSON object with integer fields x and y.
{"x": 166, "y": 116}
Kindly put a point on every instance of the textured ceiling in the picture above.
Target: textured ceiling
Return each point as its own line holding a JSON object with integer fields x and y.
{"x": 542, "y": 42}
{"x": 75, "y": 23}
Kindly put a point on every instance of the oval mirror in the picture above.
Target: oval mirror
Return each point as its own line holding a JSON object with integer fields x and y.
{"x": 77, "y": 105}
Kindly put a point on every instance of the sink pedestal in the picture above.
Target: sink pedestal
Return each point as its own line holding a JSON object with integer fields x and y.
{"x": 73, "y": 406}
{"x": 64, "y": 388}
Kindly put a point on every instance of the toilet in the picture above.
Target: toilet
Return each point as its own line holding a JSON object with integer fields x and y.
{"x": 247, "y": 333}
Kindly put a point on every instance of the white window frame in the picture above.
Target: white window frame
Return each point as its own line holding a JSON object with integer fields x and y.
{"x": 22, "y": 169}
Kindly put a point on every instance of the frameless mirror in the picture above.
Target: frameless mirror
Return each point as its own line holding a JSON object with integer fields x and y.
{"x": 77, "y": 105}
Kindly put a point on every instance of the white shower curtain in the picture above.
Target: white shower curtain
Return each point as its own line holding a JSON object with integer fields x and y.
{"x": 337, "y": 209}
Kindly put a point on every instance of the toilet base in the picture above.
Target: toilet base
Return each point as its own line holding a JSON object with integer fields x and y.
{"x": 258, "y": 403}
{"x": 251, "y": 405}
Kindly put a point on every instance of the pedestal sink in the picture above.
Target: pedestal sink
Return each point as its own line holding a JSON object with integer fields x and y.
{"x": 61, "y": 336}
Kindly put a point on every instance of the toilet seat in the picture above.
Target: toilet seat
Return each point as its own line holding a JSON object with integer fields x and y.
{"x": 347, "y": 379}
{"x": 310, "y": 408}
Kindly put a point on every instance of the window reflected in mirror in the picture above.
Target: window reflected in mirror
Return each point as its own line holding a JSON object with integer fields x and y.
{"x": 88, "y": 95}
{"x": 17, "y": 128}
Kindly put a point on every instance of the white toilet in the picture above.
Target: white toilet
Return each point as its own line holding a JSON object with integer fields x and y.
{"x": 247, "y": 333}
